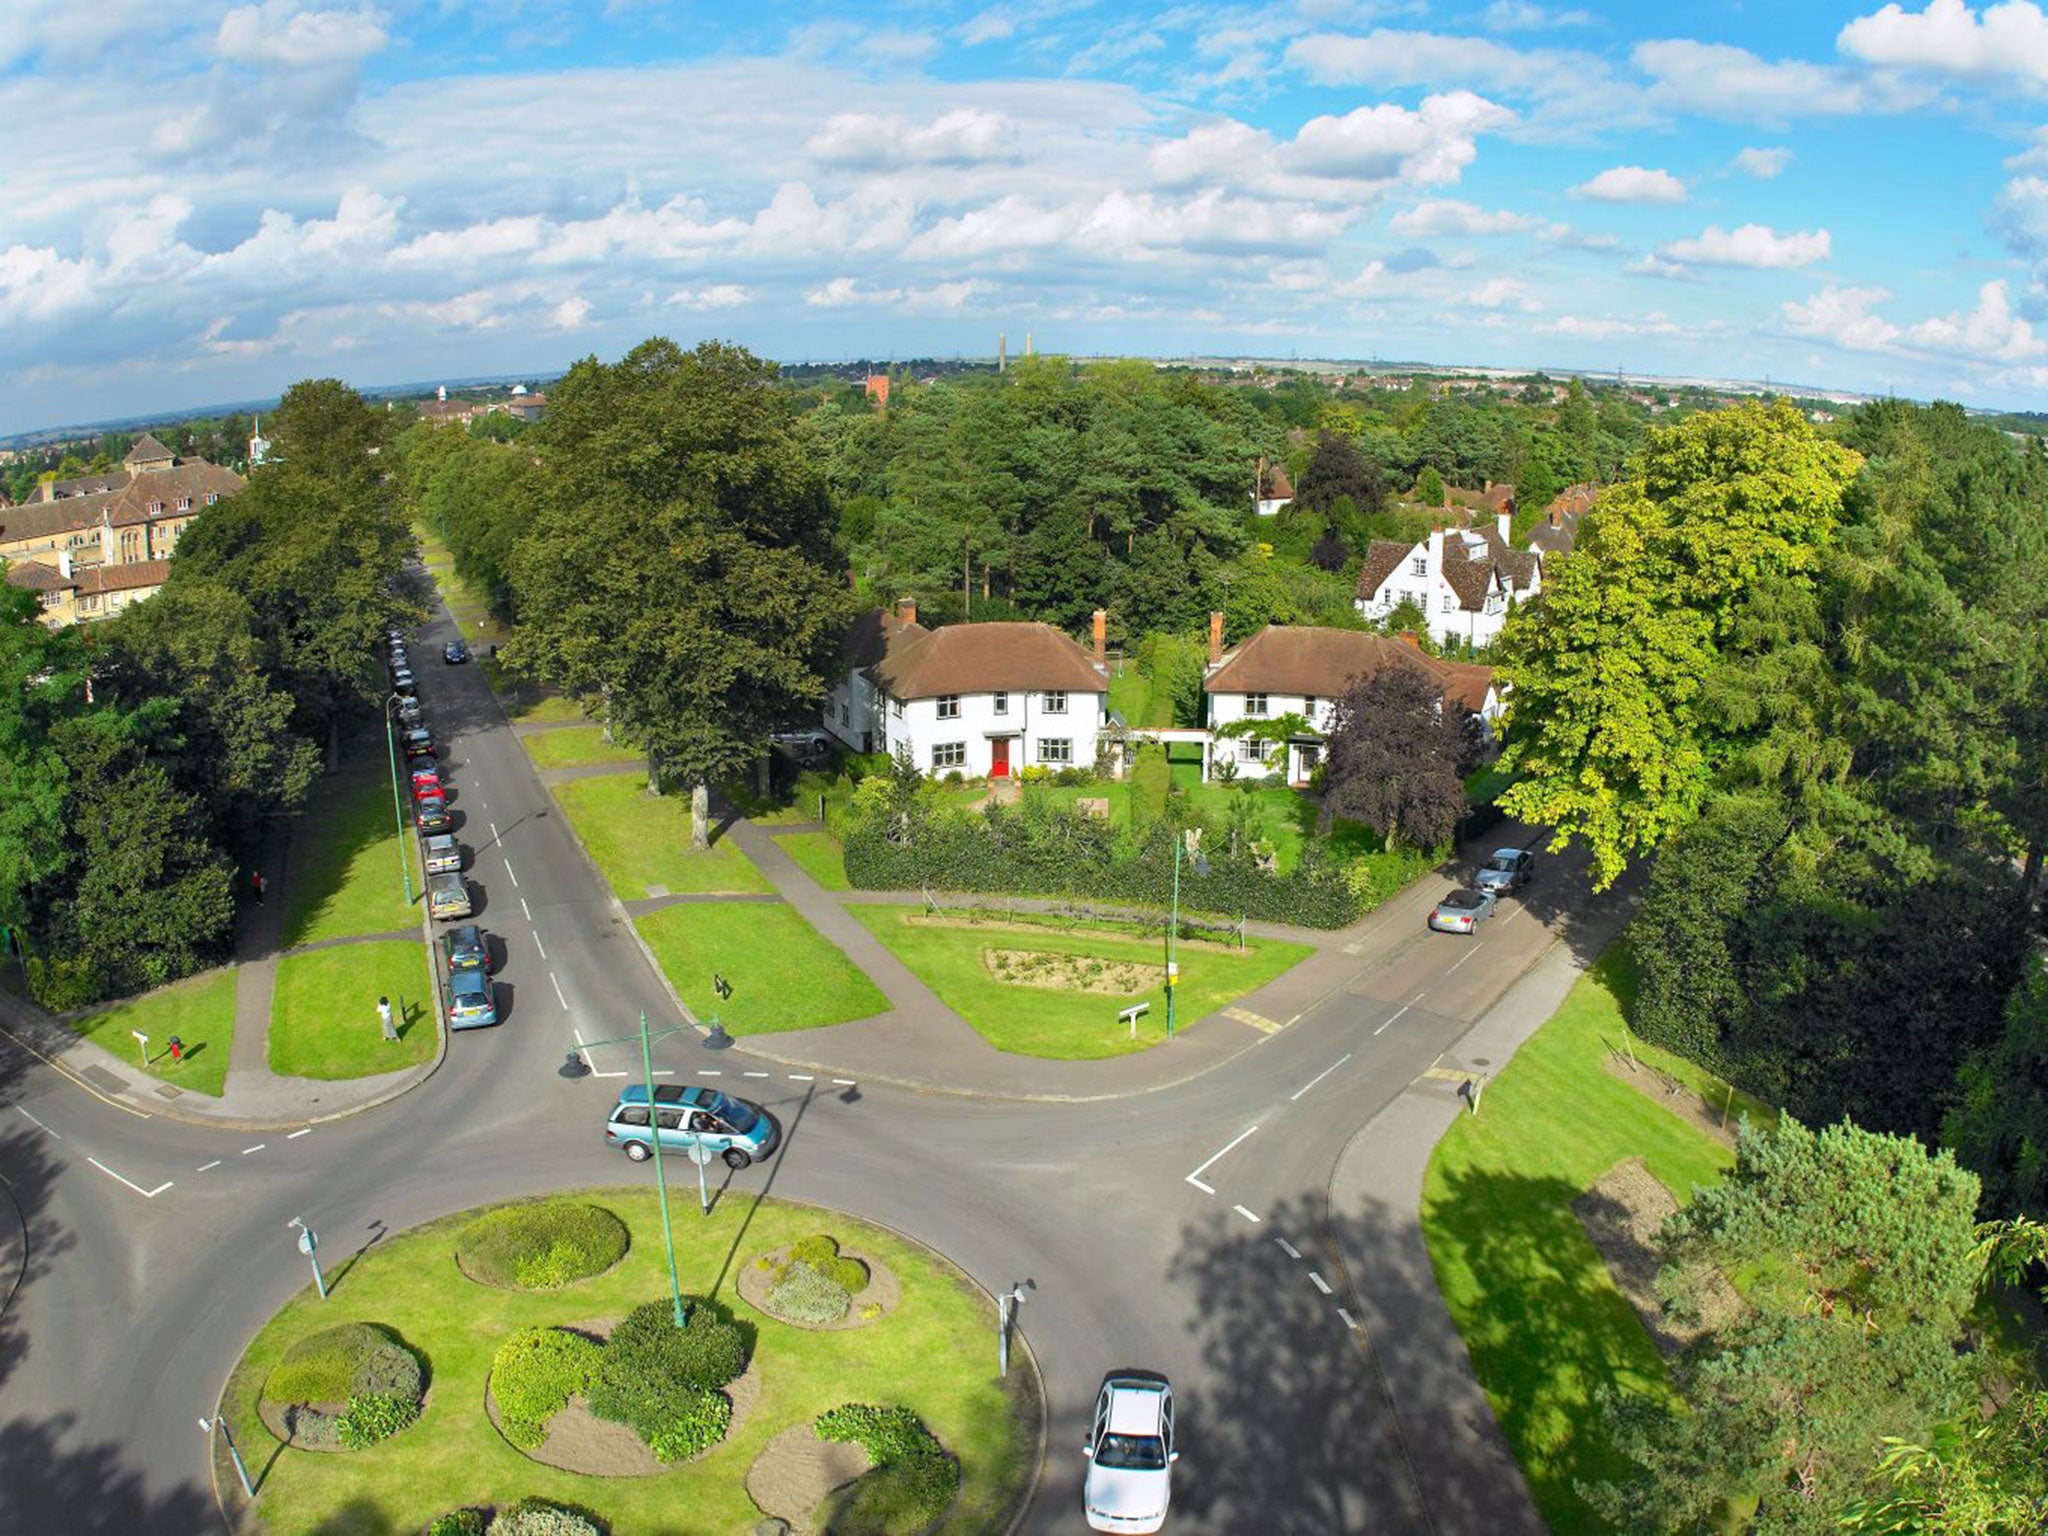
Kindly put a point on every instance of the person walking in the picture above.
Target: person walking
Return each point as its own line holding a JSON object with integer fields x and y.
{"x": 256, "y": 884}
{"x": 384, "y": 1017}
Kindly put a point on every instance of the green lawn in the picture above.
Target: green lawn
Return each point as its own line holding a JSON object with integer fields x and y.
{"x": 1073, "y": 1026}
{"x": 323, "y": 1016}
{"x": 1130, "y": 694}
{"x": 934, "y": 1354}
{"x": 640, "y": 840}
{"x": 200, "y": 1011}
{"x": 342, "y": 875}
{"x": 784, "y": 973}
{"x": 819, "y": 856}
{"x": 1545, "y": 1325}
{"x": 573, "y": 746}
{"x": 524, "y": 703}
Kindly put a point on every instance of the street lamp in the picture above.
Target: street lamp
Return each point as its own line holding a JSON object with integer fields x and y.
{"x": 397, "y": 804}
{"x": 308, "y": 1242}
{"x": 207, "y": 1427}
{"x": 1006, "y": 1308}
{"x": 577, "y": 1066}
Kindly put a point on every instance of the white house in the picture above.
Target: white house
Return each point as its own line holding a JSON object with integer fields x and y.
{"x": 1304, "y": 670}
{"x": 980, "y": 700}
{"x": 1466, "y": 580}
{"x": 1271, "y": 491}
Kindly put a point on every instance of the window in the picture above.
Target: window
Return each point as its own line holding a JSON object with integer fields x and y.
{"x": 212, "y": 497}
{"x": 1055, "y": 750}
{"x": 949, "y": 754}
{"x": 1419, "y": 565}
{"x": 896, "y": 708}
{"x": 1000, "y": 703}
{"x": 632, "y": 1114}
{"x": 1255, "y": 704}
{"x": 845, "y": 714}
{"x": 156, "y": 509}
{"x": 1450, "y": 602}
{"x": 184, "y": 503}
{"x": 1055, "y": 703}
{"x": 1493, "y": 602}
{"x": 1251, "y": 750}
{"x": 949, "y": 706}
{"x": 1308, "y": 706}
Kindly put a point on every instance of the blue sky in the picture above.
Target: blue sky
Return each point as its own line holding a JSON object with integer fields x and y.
{"x": 209, "y": 207}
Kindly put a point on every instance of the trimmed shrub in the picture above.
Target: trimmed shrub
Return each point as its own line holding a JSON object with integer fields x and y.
{"x": 365, "y": 1368}
{"x": 541, "y": 1247}
{"x": 813, "y": 1249}
{"x": 534, "y": 1375}
{"x": 695, "y": 1427}
{"x": 537, "y": 1517}
{"x": 458, "y": 1522}
{"x": 803, "y": 1295}
{"x": 663, "y": 1380}
{"x": 324, "y": 1367}
{"x": 710, "y": 1352}
{"x": 914, "y": 1480}
{"x": 821, "y": 1252}
{"x": 374, "y": 1416}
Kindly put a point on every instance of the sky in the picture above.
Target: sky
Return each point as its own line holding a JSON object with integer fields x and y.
{"x": 205, "y": 202}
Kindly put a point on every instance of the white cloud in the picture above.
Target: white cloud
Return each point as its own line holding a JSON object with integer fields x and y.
{"x": 1763, "y": 164}
{"x": 1632, "y": 184}
{"x": 1719, "y": 80}
{"x": 1449, "y": 217}
{"x": 713, "y": 296}
{"x": 1503, "y": 293}
{"x": 1842, "y": 317}
{"x": 961, "y": 136}
{"x": 1950, "y": 38}
{"x": 2019, "y": 217}
{"x": 1749, "y": 245}
{"x": 571, "y": 314}
{"x": 1653, "y": 265}
{"x": 280, "y": 32}
{"x": 1991, "y": 330}
{"x": 1609, "y": 327}
{"x": 1523, "y": 16}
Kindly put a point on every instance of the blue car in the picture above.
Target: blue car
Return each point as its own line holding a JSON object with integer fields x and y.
{"x": 737, "y": 1131}
{"x": 470, "y": 1005}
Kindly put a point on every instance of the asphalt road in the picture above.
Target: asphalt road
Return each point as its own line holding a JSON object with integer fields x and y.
{"x": 1180, "y": 1230}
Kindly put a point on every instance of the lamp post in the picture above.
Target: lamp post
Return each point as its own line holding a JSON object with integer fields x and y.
{"x": 207, "y": 1427}
{"x": 397, "y": 804}
{"x": 1006, "y": 1309}
{"x": 308, "y": 1243}
{"x": 577, "y": 1066}
{"x": 1172, "y": 931}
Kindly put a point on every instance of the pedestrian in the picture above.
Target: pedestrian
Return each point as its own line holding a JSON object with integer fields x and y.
{"x": 177, "y": 1050}
{"x": 256, "y": 885}
{"x": 384, "y": 1017}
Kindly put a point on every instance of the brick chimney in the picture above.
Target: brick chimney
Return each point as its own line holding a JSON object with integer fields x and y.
{"x": 1101, "y": 640}
{"x": 1215, "y": 639}
{"x": 906, "y": 609}
{"x": 1408, "y": 638}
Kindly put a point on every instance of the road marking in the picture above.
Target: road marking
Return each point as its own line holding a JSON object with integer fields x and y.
{"x": 843, "y": 1082}
{"x": 712, "y": 1072}
{"x": 1468, "y": 955}
{"x": 754, "y": 1074}
{"x": 508, "y": 870}
{"x": 1195, "y": 1178}
{"x": 536, "y": 938}
{"x": 1250, "y": 1216}
{"x": 32, "y": 1120}
{"x": 1355, "y": 947}
{"x": 1392, "y": 1017}
{"x": 558, "y": 992}
{"x": 494, "y": 832}
{"x": 801, "y": 1077}
{"x": 204, "y": 1166}
{"x": 295, "y": 1135}
{"x": 1349, "y": 1321}
{"x": 1258, "y": 1021}
{"x": 664, "y": 1072}
{"x": 147, "y": 1194}
{"x": 257, "y": 1148}
{"x": 529, "y": 914}
{"x": 1319, "y": 1077}
{"x": 584, "y": 1051}
{"x": 1288, "y": 1248}
{"x": 1319, "y": 1282}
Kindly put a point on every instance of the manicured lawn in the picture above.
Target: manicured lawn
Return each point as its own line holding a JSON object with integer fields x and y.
{"x": 819, "y": 856}
{"x": 932, "y": 1354}
{"x": 200, "y": 1011}
{"x": 323, "y": 1016}
{"x": 1073, "y": 1026}
{"x": 1545, "y": 1325}
{"x": 573, "y": 746}
{"x": 1130, "y": 694}
{"x": 784, "y": 973}
{"x": 342, "y": 875}
{"x": 640, "y": 840}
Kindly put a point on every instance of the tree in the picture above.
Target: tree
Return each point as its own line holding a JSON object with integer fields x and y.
{"x": 1062, "y": 571}
{"x": 1330, "y": 553}
{"x": 1999, "y": 1122}
{"x": 323, "y": 427}
{"x": 1336, "y": 469}
{"x": 1396, "y": 757}
{"x": 1429, "y": 487}
{"x": 42, "y": 676}
{"x": 1974, "y": 1478}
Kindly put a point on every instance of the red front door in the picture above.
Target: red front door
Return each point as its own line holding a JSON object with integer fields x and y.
{"x": 999, "y": 764}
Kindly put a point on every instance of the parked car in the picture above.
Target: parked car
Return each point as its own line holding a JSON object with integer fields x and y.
{"x": 805, "y": 746}
{"x": 432, "y": 816}
{"x": 1130, "y": 1454}
{"x": 1507, "y": 871}
{"x": 448, "y": 896}
{"x": 443, "y": 855}
{"x": 410, "y": 714}
{"x": 454, "y": 653}
{"x": 424, "y": 767}
{"x": 419, "y": 742}
{"x": 403, "y": 685}
{"x": 1461, "y": 911}
{"x": 429, "y": 789}
{"x": 684, "y": 1117}
{"x": 471, "y": 1004}
{"x": 466, "y": 949}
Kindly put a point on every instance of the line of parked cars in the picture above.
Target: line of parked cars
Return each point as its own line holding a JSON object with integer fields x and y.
{"x": 1506, "y": 871}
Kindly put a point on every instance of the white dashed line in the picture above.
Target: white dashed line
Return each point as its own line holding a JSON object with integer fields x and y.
{"x": 147, "y": 1194}
{"x": 204, "y": 1166}
{"x": 1468, "y": 955}
{"x": 536, "y": 938}
{"x": 755, "y": 1074}
{"x": 801, "y": 1077}
{"x": 494, "y": 831}
{"x": 1195, "y": 1178}
{"x": 1250, "y": 1216}
{"x": 1288, "y": 1248}
{"x": 1319, "y": 1077}
{"x": 1319, "y": 1282}
{"x": 664, "y": 1072}
{"x": 558, "y": 992}
{"x": 32, "y": 1120}
{"x": 295, "y": 1135}
{"x": 842, "y": 1082}
{"x": 1396, "y": 1015}
{"x": 1349, "y": 1321}
{"x": 515, "y": 878}
{"x": 257, "y": 1148}
{"x": 712, "y": 1072}
{"x": 526, "y": 909}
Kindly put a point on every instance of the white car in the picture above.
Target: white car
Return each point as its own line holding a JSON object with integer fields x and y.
{"x": 1130, "y": 1455}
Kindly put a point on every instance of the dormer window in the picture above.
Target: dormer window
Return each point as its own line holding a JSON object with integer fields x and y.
{"x": 212, "y": 497}
{"x": 1419, "y": 565}
{"x": 184, "y": 503}
{"x": 156, "y": 509}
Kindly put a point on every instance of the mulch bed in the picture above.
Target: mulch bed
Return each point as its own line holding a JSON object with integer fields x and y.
{"x": 1680, "y": 1098}
{"x": 272, "y": 1414}
{"x": 1622, "y": 1215}
{"x": 883, "y": 1290}
{"x": 797, "y": 1472}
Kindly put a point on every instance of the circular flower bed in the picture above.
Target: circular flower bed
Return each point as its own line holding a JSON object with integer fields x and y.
{"x": 344, "y": 1389}
{"x": 914, "y": 1480}
{"x": 542, "y": 1246}
{"x": 814, "y": 1283}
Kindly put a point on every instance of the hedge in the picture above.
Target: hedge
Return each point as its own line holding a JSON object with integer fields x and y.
{"x": 541, "y": 1247}
{"x": 534, "y": 1375}
{"x": 914, "y": 1479}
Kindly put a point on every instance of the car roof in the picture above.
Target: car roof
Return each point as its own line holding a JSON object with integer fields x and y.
{"x": 1135, "y": 1407}
{"x": 466, "y": 933}
{"x": 669, "y": 1093}
{"x": 446, "y": 880}
{"x": 1510, "y": 853}
{"x": 1462, "y": 899}
{"x": 468, "y": 981}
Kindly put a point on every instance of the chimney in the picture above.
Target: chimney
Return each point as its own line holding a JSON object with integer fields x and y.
{"x": 1556, "y": 515}
{"x": 1408, "y": 638}
{"x": 1506, "y": 521}
{"x": 906, "y": 609}
{"x": 1101, "y": 640}
{"x": 1215, "y": 639}
{"x": 1436, "y": 550}
{"x": 64, "y": 563}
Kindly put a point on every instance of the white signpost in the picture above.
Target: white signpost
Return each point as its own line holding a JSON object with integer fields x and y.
{"x": 1131, "y": 1016}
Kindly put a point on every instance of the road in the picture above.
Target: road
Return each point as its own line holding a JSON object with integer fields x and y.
{"x": 1181, "y": 1230}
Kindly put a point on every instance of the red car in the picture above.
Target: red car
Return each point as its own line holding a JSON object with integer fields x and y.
{"x": 423, "y": 791}
{"x": 425, "y": 771}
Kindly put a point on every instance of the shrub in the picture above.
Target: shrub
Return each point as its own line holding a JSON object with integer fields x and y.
{"x": 537, "y": 1517}
{"x": 322, "y": 1367}
{"x": 542, "y": 1246}
{"x": 821, "y": 1253}
{"x": 803, "y": 1295}
{"x": 710, "y": 1352}
{"x": 374, "y": 1416}
{"x": 458, "y": 1522}
{"x": 914, "y": 1478}
{"x": 663, "y": 1380}
{"x": 811, "y": 1250}
{"x": 694, "y": 1427}
{"x": 534, "y": 1375}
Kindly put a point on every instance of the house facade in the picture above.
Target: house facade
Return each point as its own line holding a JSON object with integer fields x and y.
{"x": 1271, "y": 491}
{"x": 81, "y": 594}
{"x": 1465, "y": 580}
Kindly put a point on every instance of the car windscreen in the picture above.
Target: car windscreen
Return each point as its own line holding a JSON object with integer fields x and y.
{"x": 1131, "y": 1453}
{"x": 1501, "y": 866}
{"x": 1463, "y": 899}
{"x": 739, "y": 1116}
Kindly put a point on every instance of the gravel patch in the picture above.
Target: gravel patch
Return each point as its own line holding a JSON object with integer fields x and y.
{"x": 797, "y": 1472}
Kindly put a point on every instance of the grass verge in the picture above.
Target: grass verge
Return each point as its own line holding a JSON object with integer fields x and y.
{"x": 200, "y": 1011}
{"x": 342, "y": 877}
{"x": 929, "y": 1355}
{"x": 1071, "y": 1026}
{"x": 323, "y": 1016}
{"x": 575, "y": 746}
{"x": 818, "y": 855}
{"x": 784, "y": 973}
{"x": 641, "y": 840}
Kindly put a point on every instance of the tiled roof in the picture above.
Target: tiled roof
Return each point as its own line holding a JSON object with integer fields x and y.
{"x": 1468, "y": 571}
{"x": 1383, "y": 557}
{"x": 1323, "y": 663}
{"x": 36, "y": 576}
{"x": 148, "y": 451}
{"x": 125, "y": 505}
{"x": 984, "y": 658}
{"x": 101, "y": 579}
{"x": 1495, "y": 498}
{"x": 86, "y": 485}
{"x": 1273, "y": 485}
{"x": 1519, "y": 566}
{"x": 869, "y": 637}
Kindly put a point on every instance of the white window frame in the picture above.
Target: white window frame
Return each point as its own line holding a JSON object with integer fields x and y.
{"x": 1450, "y": 603}
{"x": 896, "y": 708}
{"x": 1054, "y": 703}
{"x": 1419, "y": 565}
{"x": 1056, "y": 750}
{"x": 948, "y": 755}
{"x": 1251, "y": 749}
{"x": 948, "y": 706}
{"x": 1256, "y": 705}
{"x": 999, "y": 703}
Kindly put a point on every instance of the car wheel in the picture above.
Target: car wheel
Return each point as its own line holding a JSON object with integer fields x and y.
{"x": 736, "y": 1159}
{"x": 637, "y": 1151}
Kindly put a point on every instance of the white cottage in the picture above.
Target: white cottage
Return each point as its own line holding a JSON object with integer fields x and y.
{"x": 1465, "y": 580}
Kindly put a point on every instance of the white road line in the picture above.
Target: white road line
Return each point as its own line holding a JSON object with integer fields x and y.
{"x": 843, "y": 1082}
{"x": 494, "y": 831}
{"x": 295, "y": 1135}
{"x": 1288, "y": 1248}
{"x": 558, "y": 992}
{"x": 801, "y": 1077}
{"x": 204, "y": 1166}
{"x": 712, "y": 1072}
{"x": 1396, "y": 1014}
{"x": 508, "y": 870}
{"x": 1319, "y": 1077}
{"x": 1468, "y": 955}
{"x": 664, "y": 1072}
{"x": 1250, "y": 1216}
{"x": 32, "y": 1120}
{"x": 147, "y": 1194}
{"x": 756, "y": 1074}
{"x": 257, "y": 1148}
{"x": 536, "y": 938}
{"x": 1195, "y": 1178}
{"x": 526, "y": 909}
{"x": 1319, "y": 1282}
{"x": 1349, "y": 1321}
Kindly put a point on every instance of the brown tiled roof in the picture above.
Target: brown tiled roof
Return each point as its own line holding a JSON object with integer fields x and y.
{"x": 1273, "y": 484}
{"x": 86, "y": 485}
{"x": 1497, "y": 498}
{"x": 1469, "y": 574}
{"x": 101, "y": 579}
{"x": 983, "y": 658}
{"x": 126, "y": 504}
{"x": 1323, "y": 663}
{"x": 1383, "y": 557}
{"x": 1519, "y": 566}
{"x": 147, "y": 450}
{"x": 870, "y": 637}
{"x": 36, "y": 576}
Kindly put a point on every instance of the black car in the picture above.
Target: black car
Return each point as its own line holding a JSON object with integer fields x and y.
{"x": 466, "y": 949}
{"x": 419, "y": 742}
{"x": 433, "y": 816}
{"x": 454, "y": 652}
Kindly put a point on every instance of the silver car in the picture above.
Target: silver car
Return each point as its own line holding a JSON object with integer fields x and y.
{"x": 1507, "y": 871}
{"x": 1130, "y": 1454}
{"x": 1461, "y": 912}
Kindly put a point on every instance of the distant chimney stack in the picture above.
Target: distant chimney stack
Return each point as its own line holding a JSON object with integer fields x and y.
{"x": 1027, "y": 343}
{"x": 906, "y": 609}
{"x": 1101, "y": 640}
{"x": 1215, "y": 639}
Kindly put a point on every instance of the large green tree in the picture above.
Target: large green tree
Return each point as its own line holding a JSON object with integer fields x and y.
{"x": 42, "y": 682}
